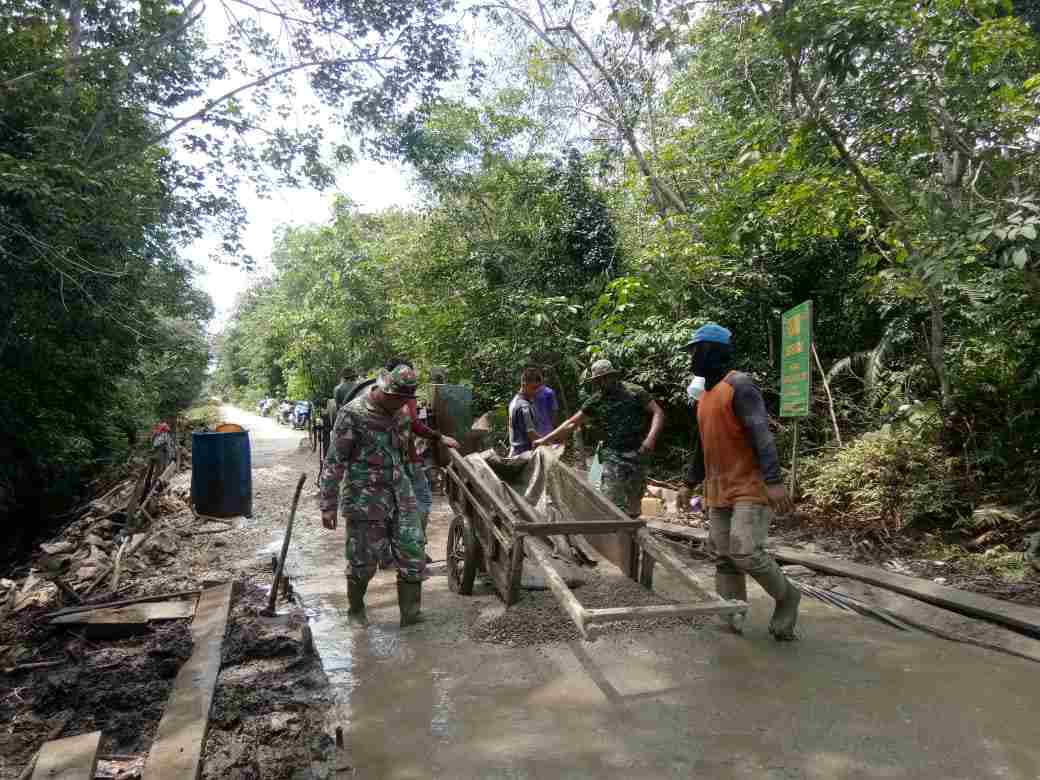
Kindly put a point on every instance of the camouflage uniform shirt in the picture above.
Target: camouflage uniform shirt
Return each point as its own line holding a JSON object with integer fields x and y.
{"x": 620, "y": 411}
{"x": 364, "y": 478}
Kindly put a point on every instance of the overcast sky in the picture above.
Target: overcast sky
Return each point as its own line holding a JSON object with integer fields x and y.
{"x": 370, "y": 185}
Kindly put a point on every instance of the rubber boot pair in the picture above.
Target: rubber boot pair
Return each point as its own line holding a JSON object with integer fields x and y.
{"x": 409, "y": 600}
{"x": 356, "y": 597}
{"x": 787, "y": 596}
{"x": 733, "y": 585}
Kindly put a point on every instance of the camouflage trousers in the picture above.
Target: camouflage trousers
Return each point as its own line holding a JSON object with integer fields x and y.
{"x": 384, "y": 530}
{"x": 624, "y": 481}
{"x": 421, "y": 488}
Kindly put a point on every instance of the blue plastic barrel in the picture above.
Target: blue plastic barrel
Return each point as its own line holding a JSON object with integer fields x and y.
{"x": 221, "y": 474}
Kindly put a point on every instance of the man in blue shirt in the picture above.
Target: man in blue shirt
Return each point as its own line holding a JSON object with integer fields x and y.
{"x": 522, "y": 428}
{"x": 545, "y": 408}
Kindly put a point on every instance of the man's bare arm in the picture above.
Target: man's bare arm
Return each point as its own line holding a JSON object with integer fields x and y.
{"x": 565, "y": 429}
{"x": 656, "y": 426}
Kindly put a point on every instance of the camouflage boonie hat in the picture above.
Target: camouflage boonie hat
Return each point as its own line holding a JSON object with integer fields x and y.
{"x": 401, "y": 381}
{"x": 601, "y": 368}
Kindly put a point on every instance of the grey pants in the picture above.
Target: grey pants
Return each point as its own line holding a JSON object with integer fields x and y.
{"x": 737, "y": 537}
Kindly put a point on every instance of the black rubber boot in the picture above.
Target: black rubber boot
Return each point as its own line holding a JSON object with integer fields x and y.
{"x": 356, "y": 596}
{"x": 732, "y": 586}
{"x": 409, "y": 600}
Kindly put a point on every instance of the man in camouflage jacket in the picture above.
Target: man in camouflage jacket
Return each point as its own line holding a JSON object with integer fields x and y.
{"x": 365, "y": 478}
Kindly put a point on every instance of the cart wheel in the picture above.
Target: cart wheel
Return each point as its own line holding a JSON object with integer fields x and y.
{"x": 463, "y": 554}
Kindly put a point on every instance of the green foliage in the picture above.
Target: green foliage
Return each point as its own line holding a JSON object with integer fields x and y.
{"x": 884, "y": 480}
{"x": 203, "y": 416}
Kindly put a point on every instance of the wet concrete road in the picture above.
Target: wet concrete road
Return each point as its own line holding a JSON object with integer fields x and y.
{"x": 854, "y": 698}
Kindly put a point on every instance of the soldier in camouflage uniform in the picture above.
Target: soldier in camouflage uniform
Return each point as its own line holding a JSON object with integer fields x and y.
{"x": 622, "y": 409}
{"x": 365, "y": 477}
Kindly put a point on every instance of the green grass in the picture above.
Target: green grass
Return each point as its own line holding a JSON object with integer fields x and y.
{"x": 998, "y": 561}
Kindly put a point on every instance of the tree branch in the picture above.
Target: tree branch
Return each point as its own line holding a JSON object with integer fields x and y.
{"x": 257, "y": 82}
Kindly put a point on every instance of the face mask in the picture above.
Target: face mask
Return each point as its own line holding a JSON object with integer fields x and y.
{"x": 696, "y": 388}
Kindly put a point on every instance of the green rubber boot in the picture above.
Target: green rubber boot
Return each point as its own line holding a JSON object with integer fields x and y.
{"x": 356, "y": 596}
{"x": 786, "y": 615}
{"x": 786, "y": 595}
{"x": 409, "y": 600}
{"x": 732, "y": 586}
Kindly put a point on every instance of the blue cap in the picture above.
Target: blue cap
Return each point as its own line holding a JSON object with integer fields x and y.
{"x": 712, "y": 332}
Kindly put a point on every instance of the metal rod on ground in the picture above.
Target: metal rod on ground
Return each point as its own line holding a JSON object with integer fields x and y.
{"x": 270, "y": 612}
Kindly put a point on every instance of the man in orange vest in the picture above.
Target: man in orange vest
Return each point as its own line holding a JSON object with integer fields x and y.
{"x": 738, "y": 465}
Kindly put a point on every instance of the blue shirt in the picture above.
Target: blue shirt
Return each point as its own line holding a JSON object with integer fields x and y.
{"x": 545, "y": 408}
{"x": 521, "y": 422}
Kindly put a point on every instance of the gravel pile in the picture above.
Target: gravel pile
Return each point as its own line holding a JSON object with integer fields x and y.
{"x": 537, "y": 618}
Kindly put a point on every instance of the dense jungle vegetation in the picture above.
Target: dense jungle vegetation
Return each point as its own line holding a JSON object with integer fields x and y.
{"x": 595, "y": 179}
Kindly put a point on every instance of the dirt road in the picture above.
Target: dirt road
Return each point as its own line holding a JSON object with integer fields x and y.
{"x": 852, "y": 699}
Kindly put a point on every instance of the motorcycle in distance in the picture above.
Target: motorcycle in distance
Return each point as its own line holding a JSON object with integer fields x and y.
{"x": 285, "y": 411}
{"x": 301, "y": 415}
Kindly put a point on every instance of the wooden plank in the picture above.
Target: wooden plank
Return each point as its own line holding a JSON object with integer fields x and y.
{"x": 133, "y": 613}
{"x": 539, "y": 550}
{"x": 676, "y": 530}
{"x": 676, "y": 565}
{"x": 939, "y": 621}
{"x": 611, "y": 614}
{"x": 487, "y": 515}
{"x": 71, "y": 758}
{"x": 972, "y": 604}
{"x": 176, "y": 753}
{"x": 646, "y": 570}
{"x": 466, "y": 472}
{"x": 578, "y": 527}
{"x": 616, "y": 548}
{"x": 124, "y": 602}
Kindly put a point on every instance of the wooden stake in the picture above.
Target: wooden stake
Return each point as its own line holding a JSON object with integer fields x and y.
{"x": 117, "y": 569}
{"x": 794, "y": 462}
{"x": 270, "y": 611}
{"x": 830, "y": 398}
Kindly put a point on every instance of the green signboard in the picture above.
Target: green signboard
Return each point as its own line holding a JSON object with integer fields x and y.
{"x": 796, "y": 366}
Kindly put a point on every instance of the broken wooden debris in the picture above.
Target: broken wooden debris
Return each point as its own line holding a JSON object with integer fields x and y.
{"x": 124, "y": 602}
{"x": 114, "y": 622}
{"x": 34, "y": 665}
{"x": 177, "y": 749}
{"x": 54, "y": 733}
{"x": 71, "y": 758}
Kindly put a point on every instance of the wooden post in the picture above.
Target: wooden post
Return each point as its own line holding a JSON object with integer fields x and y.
{"x": 794, "y": 462}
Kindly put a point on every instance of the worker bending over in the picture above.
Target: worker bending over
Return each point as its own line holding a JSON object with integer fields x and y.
{"x": 623, "y": 410}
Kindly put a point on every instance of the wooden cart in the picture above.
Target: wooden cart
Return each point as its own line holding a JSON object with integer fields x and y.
{"x": 492, "y": 535}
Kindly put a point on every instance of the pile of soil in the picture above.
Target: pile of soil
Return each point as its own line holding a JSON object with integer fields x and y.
{"x": 117, "y": 687}
{"x": 267, "y": 719}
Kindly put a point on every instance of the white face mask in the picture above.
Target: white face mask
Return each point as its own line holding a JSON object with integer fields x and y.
{"x": 696, "y": 388}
